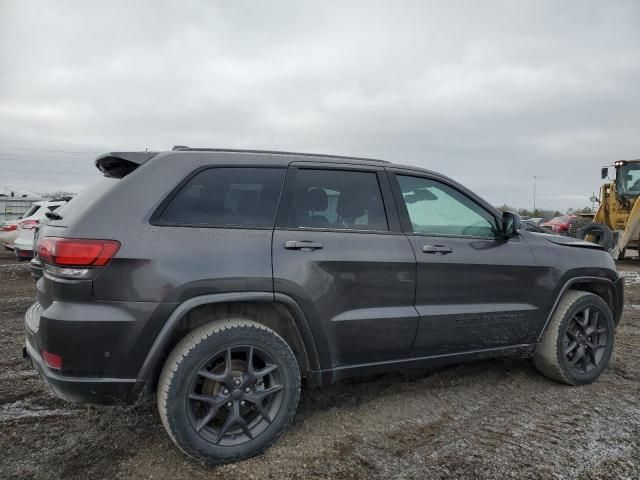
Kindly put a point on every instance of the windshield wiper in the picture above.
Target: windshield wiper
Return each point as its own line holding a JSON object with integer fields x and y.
{"x": 53, "y": 216}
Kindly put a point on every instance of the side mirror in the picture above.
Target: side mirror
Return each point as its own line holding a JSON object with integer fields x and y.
{"x": 604, "y": 173}
{"x": 511, "y": 223}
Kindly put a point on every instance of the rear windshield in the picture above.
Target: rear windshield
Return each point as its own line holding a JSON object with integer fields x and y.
{"x": 31, "y": 211}
{"x": 84, "y": 200}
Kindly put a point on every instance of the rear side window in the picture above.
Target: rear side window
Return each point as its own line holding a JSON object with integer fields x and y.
{"x": 227, "y": 197}
{"x": 336, "y": 199}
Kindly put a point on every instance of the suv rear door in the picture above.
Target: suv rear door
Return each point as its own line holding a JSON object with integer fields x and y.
{"x": 475, "y": 288}
{"x": 339, "y": 253}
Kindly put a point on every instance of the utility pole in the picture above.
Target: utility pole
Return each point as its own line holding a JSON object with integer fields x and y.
{"x": 535, "y": 184}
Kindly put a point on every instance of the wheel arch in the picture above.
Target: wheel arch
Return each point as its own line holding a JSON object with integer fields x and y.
{"x": 280, "y": 313}
{"x": 600, "y": 286}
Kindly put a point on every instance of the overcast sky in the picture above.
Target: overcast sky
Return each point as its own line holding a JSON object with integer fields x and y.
{"x": 490, "y": 93}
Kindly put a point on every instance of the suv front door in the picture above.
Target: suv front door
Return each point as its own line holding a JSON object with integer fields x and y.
{"x": 339, "y": 253}
{"x": 476, "y": 288}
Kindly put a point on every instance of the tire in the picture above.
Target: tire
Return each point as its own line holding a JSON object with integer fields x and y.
{"x": 577, "y": 224}
{"x": 199, "y": 377}
{"x": 564, "y": 330}
{"x": 603, "y": 234}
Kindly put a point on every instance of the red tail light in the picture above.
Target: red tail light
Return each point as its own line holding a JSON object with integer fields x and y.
{"x": 76, "y": 252}
{"x": 52, "y": 360}
{"x": 27, "y": 224}
{"x": 9, "y": 228}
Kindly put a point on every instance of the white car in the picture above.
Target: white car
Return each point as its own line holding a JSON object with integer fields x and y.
{"x": 23, "y": 244}
{"x": 8, "y": 233}
{"x": 9, "y": 228}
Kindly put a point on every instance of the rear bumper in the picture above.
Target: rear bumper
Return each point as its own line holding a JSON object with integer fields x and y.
{"x": 22, "y": 254}
{"x": 102, "y": 391}
{"x": 23, "y": 246}
{"x": 99, "y": 357}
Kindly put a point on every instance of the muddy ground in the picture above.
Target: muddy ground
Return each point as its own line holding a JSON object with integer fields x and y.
{"x": 492, "y": 419}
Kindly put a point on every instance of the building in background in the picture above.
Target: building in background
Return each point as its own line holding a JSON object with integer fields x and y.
{"x": 14, "y": 205}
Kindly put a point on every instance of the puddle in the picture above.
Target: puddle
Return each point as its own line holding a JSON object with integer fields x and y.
{"x": 631, "y": 278}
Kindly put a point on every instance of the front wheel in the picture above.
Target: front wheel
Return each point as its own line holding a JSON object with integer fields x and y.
{"x": 578, "y": 342}
{"x": 228, "y": 390}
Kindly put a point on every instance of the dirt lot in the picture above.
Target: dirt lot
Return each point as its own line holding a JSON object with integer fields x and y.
{"x": 493, "y": 419}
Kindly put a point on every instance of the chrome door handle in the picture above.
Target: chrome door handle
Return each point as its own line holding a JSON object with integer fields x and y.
{"x": 437, "y": 249}
{"x": 302, "y": 245}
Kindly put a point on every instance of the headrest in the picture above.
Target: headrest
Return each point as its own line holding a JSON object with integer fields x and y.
{"x": 314, "y": 200}
{"x": 351, "y": 204}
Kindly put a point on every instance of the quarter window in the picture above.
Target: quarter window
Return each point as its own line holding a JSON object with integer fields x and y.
{"x": 245, "y": 197}
{"x": 336, "y": 199}
{"x": 437, "y": 209}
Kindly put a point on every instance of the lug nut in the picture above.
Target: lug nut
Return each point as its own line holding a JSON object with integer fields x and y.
{"x": 243, "y": 403}
{"x": 247, "y": 390}
{"x": 229, "y": 404}
{"x": 225, "y": 392}
{"x": 237, "y": 382}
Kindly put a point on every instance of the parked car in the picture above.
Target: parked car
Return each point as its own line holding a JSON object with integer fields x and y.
{"x": 8, "y": 233}
{"x": 560, "y": 224}
{"x": 234, "y": 274}
{"x": 531, "y": 226}
{"x": 35, "y": 265}
{"x": 10, "y": 230}
{"x": 23, "y": 243}
{"x": 536, "y": 220}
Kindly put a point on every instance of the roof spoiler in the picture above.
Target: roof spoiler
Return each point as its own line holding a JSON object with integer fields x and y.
{"x": 121, "y": 164}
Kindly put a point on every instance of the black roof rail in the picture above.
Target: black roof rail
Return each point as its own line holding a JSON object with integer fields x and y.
{"x": 182, "y": 148}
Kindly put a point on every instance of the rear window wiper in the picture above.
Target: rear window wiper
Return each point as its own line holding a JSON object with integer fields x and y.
{"x": 53, "y": 216}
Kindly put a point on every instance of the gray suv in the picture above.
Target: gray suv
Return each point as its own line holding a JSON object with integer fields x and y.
{"x": 219, "y": 279}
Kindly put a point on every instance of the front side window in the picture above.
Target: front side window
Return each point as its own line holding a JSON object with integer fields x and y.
{"x": 234, "y": 196}
{"x": 437, "y": 209}
{"x": 628, "y": 177}
{"x": 336, "y": 199}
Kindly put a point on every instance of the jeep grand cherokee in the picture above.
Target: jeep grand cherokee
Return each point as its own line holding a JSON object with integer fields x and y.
{"x": 219, "y": 279}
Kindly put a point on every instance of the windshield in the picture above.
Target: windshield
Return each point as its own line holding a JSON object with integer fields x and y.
{"x": 628, "y": 179}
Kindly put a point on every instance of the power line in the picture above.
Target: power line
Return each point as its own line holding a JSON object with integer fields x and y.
{"x": 48, "y": 172}
{"x": 79, "y": 152}
{"x": 53, "y": 157}
{"x": 24, "y": 140}
{"x": 51, "y": 162}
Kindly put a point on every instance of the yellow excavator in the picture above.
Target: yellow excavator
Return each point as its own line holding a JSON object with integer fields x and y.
{"x": 616, "y": 223}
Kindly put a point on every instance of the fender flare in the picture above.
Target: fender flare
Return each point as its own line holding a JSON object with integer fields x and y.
{"x": 154, "y": 355}
{"x": 576, "y": 280}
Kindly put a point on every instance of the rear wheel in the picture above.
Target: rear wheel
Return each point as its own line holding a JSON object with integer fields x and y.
{"x": 228, "y": 390}
{"x": 578, "y": 342}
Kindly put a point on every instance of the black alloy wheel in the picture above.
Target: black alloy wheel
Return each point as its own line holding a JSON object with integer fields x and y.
{"x": 585, "y": 340}
{"x": 235, "y": 395}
